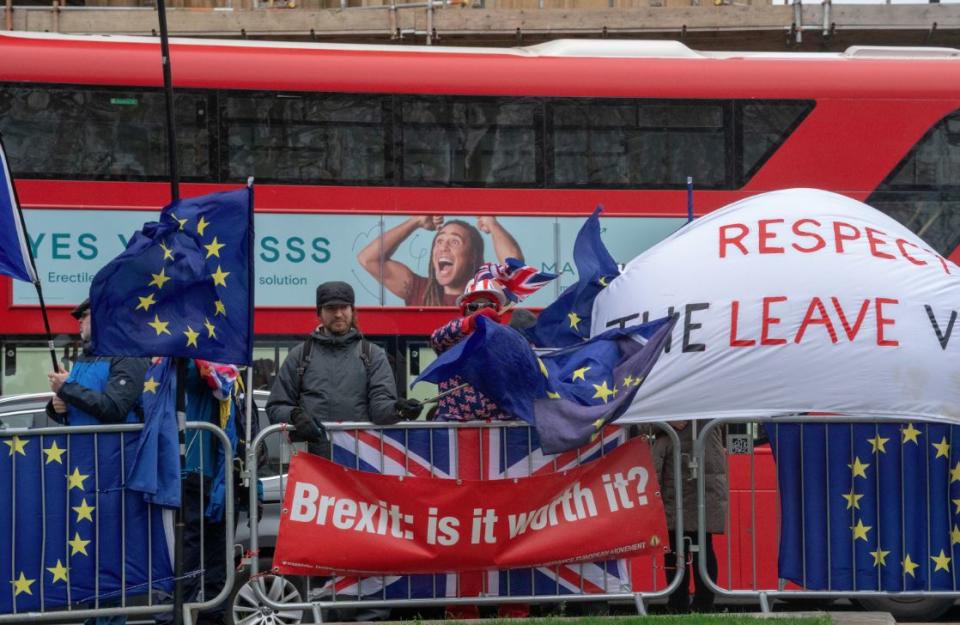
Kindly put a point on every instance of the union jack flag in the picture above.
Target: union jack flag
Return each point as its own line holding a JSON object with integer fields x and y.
{"x": 490, "y": 453}
{"x": 519, "y": 281}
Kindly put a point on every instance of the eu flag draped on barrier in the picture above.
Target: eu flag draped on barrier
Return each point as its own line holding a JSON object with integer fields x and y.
{"x": 183, "y": 286}
{"x": 868, "y": 506}
{"x": 69, "y": 531}
{"x": 567, "y": 320}
{"x": 14, "y": 253}
{"x": 568, "y": 395}
{"x": 156, "y": 467}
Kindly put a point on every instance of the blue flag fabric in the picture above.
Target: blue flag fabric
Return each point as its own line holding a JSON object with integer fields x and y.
{"x": 869, "y": 506}
{"x": 184, "y": 286}
{"x": 14, "y": 253}
{"x": 567, "y": 320}
{"x": 61, "y": 542}
{"x": 156, "y": 467}
{"x": 568, "y": 395}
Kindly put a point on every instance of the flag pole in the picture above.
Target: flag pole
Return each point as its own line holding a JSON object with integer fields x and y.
{"x": 33, "y": 265}
{"x": 689, "y": 199}
{"x": 181, "y": 363}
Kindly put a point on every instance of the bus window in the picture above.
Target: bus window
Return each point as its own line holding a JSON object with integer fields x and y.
{"x": 923, "y": 191}
{"x": 638, "y": 144}
{"x": 764, "y": 126}
{"x": 310, "y": 139}
{"x": 116, "y": 134}
{"x": 469, "y": 141}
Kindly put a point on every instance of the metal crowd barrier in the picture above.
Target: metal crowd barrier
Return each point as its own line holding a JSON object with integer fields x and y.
{"x": 396, "y": 453}
{"x": 748, "y": 545}
{"x": 138, "y": 603}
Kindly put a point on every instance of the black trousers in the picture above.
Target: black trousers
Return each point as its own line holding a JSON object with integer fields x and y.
{"x": 209, "y": 571}
{"x": 702, "y": 598}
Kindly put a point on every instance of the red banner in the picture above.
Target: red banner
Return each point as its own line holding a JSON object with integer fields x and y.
{"x": 340, "y": 519}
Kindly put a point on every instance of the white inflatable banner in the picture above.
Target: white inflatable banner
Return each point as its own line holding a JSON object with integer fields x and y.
{"x": 795, "y": 301}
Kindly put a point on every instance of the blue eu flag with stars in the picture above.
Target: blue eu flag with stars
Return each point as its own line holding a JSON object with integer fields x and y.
{"x": 183, "y": 286}
{"x": 71, "y": 533}
{"x": 567, "y": 320}
{"x": 568, "y": 395}
{"x": 869, "y": 506}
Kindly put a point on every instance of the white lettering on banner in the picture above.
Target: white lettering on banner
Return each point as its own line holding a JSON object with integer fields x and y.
{"x": 304, "y": 502}
{"x": 374, "y": 518}
{"x": 794, "y": 301}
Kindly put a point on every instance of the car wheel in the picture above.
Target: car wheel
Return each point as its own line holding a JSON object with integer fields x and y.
{"x": 908, "y": 608}
{"x": 243, "y": 607}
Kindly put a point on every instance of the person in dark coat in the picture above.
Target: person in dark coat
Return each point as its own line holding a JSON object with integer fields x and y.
{"x": 717, "y": 497}
{"x": 335, "y": 375}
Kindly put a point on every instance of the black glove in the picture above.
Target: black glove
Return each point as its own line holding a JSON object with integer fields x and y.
{"x": 307, "y": 429}
{"x": 408, "y": 408}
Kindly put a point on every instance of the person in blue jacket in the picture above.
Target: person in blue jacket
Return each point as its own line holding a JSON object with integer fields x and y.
{"x": 98, "y": 390}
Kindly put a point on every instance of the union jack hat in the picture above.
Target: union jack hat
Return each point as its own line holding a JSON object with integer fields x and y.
{"x": 479, "y": 287}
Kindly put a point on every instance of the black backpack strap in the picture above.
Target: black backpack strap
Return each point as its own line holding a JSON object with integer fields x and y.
{"x": 365, "y": 354}
{"x": 303, "y": 363}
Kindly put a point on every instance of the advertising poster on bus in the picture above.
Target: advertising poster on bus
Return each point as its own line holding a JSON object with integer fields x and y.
{"x": 392, "y": 260}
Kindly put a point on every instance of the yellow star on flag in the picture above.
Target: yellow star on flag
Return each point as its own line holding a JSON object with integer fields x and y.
{"x": 878, "y": 444}
{"x": 150, "y": 385}
{"x": 910, "y": 433}
{"x": 909, "y": 566}
{"x": 167, "y": 252}
{"x": 543, "y": 368}
{"x": 954, "y": 535}
{"x": 860, "y": 530}
{"x": 182, "y": 222}
{"x": 574, "y": 320}
{"x": 627, "y": 381}
{"x": 78, "y": 545}
{"x": 552, "y": 395}
{"x": 579, "y": 373}
{"x": 220, "y": 277}
{"x": 17, "y": 445}
{"x": 943, "y": 448}
{"x": 603, "y": 392}
{"x": 145, "y": 302}
{"x": 956, "y": 505}
{"x": 54, "y": 453}
{"x": 637, "y": 381}
{"x": 598, "y": 424}
{"x": 159, "y": 279}
{"x": 858, "y": 468}
{"x": 221, "y": 309}
{"x": 213, "y": 248}
{"x": 84, "y": 511}
{"x": 76, "y": 479}
{"x": 59, "y": 572}
{"x": 955, "y": 474}
{"x": 202, "y": 225}
{"x": 603, "y": 281}
{"x": 941, "y": 561}
{"x": 853, "y": 499}
{"x": 159, "y": 326}
{"x": 191, "y": 335}
{"x": 879, "y": 557}
{"x": 211, "y": 330}
{"x": 22, "y": 585}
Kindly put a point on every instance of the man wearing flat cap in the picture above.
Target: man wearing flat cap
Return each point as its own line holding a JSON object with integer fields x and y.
{"x": 335, "y": 375}
{"x": 98, "y": 389}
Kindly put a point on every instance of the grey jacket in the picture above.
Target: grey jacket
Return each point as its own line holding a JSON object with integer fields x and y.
{"x": 336, "y": 385}
{"x": 715, "y": 472}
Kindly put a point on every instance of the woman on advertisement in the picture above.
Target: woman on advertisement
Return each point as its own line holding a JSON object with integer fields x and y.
{"x": 456, "y": 253}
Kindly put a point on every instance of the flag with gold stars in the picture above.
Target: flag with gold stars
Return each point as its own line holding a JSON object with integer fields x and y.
{"x": 869, "y": 506}
{"x": 567, "y": 320}
{"x": 183, "y": 286}
{"x": 61, "y": 541}
{"x": 568, "y": 395}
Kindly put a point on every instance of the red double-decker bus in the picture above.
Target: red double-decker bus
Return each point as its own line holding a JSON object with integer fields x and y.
{"x": 360, "y": 152}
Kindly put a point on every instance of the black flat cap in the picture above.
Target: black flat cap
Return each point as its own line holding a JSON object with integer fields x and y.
{"x": 81, "y": 308}
{"x": 334, "y": 294}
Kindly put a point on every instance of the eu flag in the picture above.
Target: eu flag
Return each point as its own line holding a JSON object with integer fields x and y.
{"x": 156, "y": 467}
{"x": 567, "y": 320}
{"x": 869, "y": 506}
{"x": 570, "y": 394}
{"x": 14, "y": 253}
{"x": 64, "y": 503}
{"x": 184, "y": 286}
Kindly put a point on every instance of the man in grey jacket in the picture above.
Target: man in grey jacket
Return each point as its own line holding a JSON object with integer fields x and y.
{"x": 335, "y": 375}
